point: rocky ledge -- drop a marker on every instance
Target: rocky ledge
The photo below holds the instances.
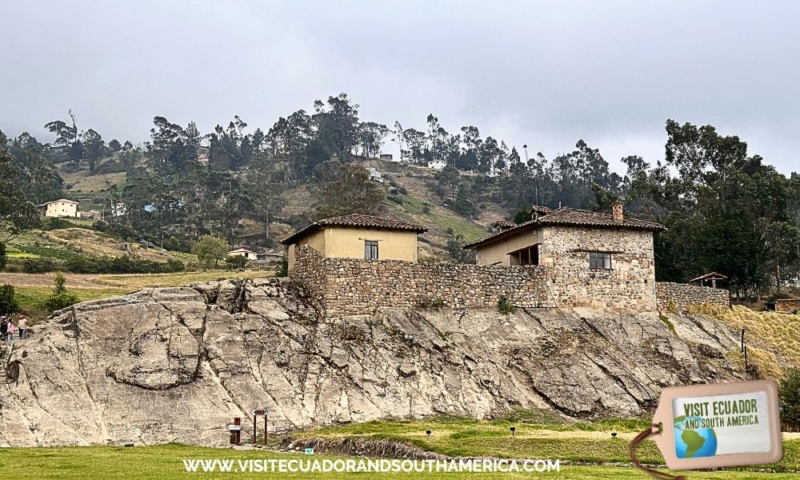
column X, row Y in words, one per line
column 177, row 364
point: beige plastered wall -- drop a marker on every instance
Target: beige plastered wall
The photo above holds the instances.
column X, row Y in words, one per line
column 349, row 243
column 498, row 253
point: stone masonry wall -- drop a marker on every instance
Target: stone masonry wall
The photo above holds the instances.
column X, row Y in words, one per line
column 355, row 287
column 681, row 295
column 628, row 285
column 787, row 304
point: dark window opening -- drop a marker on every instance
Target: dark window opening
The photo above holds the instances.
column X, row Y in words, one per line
column 599, row 260
column 526, row 256
column 370, row 250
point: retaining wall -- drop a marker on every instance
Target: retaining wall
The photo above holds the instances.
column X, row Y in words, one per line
column 679, row 296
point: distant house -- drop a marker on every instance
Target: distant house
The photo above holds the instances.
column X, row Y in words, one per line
column 375, row 175
column 437, row 165
column 91, row 215
column 243, row 252
column 358, row 236
column 119, row 209
column 269, row 257
column 386, row 157
column 59, row 208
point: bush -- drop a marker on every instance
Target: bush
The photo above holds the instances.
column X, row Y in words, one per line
column 3, row 257
column 395, row 199
column 235, row 262
column 402, row 190
column 789, row 394
column 8, row 304
column 283, row 268
column 60, row 298
column 426, row 209
column 123, row 264
column 116, row 229
column 38, row 265
column 504, row 305
column 55, row 223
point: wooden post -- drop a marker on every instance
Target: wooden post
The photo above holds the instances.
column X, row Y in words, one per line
column 266, row 433
column 255, row 435
column 745, row 358
column 743, row 340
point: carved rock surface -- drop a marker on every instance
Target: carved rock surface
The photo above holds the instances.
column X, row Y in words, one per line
column 177, row 364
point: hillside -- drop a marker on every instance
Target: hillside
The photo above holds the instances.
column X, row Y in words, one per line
column 420, row 204
column 112, row 370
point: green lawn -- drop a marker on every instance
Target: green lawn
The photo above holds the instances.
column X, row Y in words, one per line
column 166, row 462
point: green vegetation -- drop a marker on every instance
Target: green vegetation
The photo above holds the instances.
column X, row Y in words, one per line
column 60, row 298
column 668, row 323
column 8, row 300
column 580, row 442
column 504, row 305
column 790, row 399
column 210, row 250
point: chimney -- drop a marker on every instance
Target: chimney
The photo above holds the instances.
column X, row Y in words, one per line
column 616, row 212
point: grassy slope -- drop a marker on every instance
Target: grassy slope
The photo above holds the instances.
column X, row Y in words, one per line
column 773, row 339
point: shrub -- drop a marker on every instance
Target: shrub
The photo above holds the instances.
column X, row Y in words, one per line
column 123, row 264
column 789, row 394
column 38, row 265
column 283, row 268
column 235, row 262
column 395, row 199
column 8, row 304
column 60, row 298
column 504, row 305
column 57, row 223
column 402, row 190
column 3, row 257
column 426, row 209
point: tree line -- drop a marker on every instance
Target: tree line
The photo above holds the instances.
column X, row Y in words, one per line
column 725, row 210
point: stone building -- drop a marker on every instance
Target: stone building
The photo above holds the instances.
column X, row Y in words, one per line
column 357, row 236
column 591, row 259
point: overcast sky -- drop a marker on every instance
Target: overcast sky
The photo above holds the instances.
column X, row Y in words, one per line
column 543, row 74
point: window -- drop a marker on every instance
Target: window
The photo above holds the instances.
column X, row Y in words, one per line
column 600, row 260
column 370, row 250
column 526, row 256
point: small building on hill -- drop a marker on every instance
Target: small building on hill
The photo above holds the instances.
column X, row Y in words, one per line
column 602, row 258
column 358, row 236
column 243, row 252
column 59, row 208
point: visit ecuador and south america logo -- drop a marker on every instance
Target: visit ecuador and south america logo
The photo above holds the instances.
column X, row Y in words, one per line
column 697, row 430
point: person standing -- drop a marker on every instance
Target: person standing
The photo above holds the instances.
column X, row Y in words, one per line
column 22, row 325
column 10, row 331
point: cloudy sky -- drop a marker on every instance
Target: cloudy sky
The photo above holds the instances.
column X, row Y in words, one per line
column 543, row 74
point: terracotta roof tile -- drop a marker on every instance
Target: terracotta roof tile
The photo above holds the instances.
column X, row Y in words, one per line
column 354, row 220
column 571, row 217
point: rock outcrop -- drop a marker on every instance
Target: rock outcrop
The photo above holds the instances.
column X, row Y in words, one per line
column 177, row 364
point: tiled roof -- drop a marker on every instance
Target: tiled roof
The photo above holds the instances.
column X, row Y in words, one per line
column 570, row 217
column 354, row 220
column 504, row 224
column 708, row 276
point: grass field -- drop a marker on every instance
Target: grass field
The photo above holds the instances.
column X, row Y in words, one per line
column 33, row 289
column 166, row 462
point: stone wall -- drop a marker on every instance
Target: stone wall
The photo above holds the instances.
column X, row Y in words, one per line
column 628, row 285
column 787, row 304
column 355, row 287
column 678, row 296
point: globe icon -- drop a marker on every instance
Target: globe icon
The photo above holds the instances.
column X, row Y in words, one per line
column 694, row 442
